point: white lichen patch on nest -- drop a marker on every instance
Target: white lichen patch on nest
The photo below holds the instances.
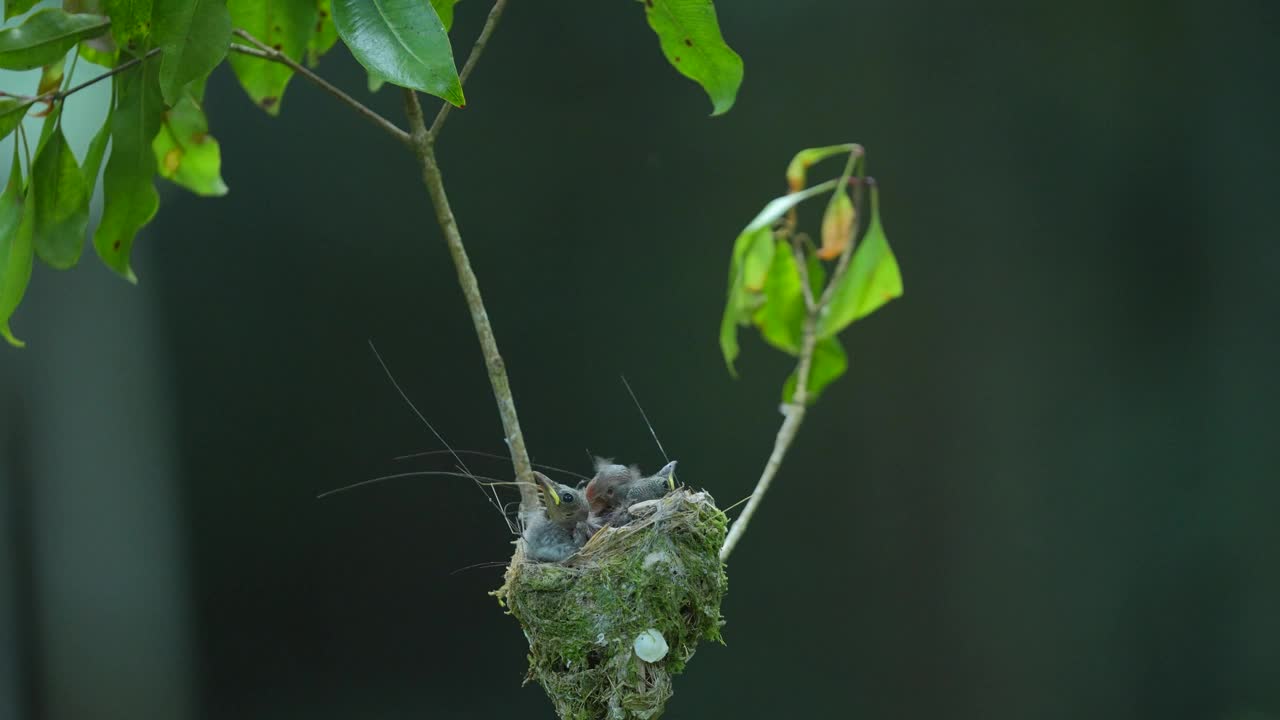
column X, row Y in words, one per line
column 659, row 577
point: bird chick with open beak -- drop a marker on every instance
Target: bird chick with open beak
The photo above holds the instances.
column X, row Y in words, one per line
column 616, row 488
column 560, row 527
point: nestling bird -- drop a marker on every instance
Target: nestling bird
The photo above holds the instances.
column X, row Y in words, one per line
column 556, row 531
column 616, row 488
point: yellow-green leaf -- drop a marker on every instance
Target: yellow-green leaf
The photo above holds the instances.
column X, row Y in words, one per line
column 324, row 35
column 186, row 153
column 871, row 280
column 691, row 41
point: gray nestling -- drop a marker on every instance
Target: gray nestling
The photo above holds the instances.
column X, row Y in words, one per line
column 556, row 531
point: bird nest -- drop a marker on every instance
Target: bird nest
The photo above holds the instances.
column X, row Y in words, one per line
column 611, row 625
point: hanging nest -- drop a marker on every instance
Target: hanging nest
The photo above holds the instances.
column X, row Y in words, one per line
column 608, row 627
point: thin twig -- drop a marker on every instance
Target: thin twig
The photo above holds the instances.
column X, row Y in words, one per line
column 55, row 95
column 481, row 41
column 434, row 181
column 794, row 415
column 794, row 411
column 266, row 52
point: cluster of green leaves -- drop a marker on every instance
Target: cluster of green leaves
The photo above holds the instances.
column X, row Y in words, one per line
column 766, row 279
column 159, row 54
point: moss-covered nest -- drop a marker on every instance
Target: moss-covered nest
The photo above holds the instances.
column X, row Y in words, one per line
column 585, row 617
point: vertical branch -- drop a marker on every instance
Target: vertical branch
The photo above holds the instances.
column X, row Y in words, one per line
column 434, row 181
column 422, row 140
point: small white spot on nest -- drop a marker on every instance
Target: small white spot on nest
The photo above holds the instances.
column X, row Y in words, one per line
column 600, row 639
column 651, row 646
column 655, row 557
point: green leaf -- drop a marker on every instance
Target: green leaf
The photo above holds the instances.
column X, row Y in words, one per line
column 781, row 317
column 46, row 36
column 752, row 255
column 93, row 157
column 57, row 196
column 129, row 194
column 444, row 8
column 376, row 82
column 324, row 34
column 187, row 154
column 871, row 280
column 829, row 363
column 402, row 41
column 12, row 111
column 690, row 38
column 285, row 25
column 800, row 164
column 100, row 50
column 16, row 254
column 130, row 22
column 14, row 8
column 193, row 36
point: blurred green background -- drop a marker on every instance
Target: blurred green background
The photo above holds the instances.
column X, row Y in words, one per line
column 1046, row 489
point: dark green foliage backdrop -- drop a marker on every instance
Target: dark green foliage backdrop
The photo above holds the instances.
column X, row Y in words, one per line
column 1046, row 489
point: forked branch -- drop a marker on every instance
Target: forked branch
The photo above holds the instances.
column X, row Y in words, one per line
column 421, row 140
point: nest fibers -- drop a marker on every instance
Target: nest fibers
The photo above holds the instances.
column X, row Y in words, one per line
column 650, row 589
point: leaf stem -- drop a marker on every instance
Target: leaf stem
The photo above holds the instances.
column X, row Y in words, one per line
column 794, row 411
column 482, row 41
column 432, row 178
column 266, row 52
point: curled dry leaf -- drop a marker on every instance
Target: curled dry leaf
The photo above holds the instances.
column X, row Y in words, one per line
column 837, row 226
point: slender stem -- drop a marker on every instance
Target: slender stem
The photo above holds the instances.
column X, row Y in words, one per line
column 794, row 415
column 55, row 95
column 266, row 52
column 431, row 177
column 481, row 42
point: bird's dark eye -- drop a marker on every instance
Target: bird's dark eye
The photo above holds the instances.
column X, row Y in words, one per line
column 609, row 492
column 566, row 496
